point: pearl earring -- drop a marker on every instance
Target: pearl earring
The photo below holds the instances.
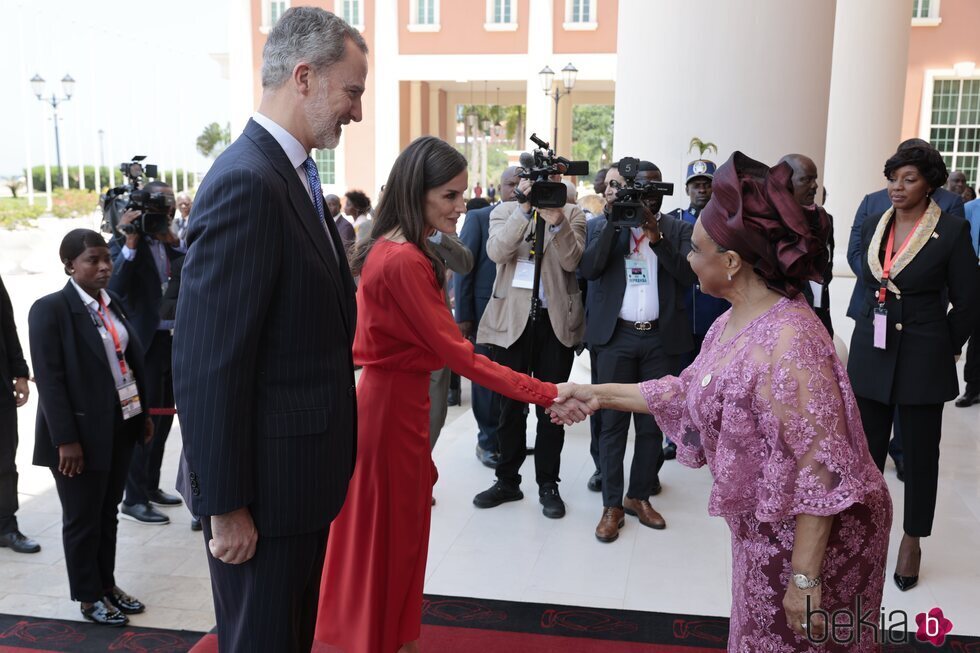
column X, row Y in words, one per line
column 729, row 276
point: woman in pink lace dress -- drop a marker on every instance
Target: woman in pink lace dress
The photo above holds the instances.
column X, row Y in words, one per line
column 768, row 407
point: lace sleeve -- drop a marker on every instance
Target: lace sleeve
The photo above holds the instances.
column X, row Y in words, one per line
column 667, row 401
column 817, row 459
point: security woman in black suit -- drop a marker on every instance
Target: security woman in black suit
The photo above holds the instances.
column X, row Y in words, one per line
column 905, row 344
column 88, row 365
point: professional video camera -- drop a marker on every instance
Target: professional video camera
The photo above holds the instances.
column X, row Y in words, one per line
column 154, row 207
column 540, row 165
column 627, row 208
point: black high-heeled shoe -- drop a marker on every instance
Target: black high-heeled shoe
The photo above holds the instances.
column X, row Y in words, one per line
column 906, row 583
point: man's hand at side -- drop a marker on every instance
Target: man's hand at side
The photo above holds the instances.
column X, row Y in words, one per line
column 233, row 537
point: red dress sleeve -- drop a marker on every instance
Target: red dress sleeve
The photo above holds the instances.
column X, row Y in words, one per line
column 409, row 276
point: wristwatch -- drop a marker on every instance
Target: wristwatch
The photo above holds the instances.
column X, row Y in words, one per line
column 804, row 583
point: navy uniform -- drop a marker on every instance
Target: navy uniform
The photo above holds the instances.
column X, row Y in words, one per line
column 702, row 309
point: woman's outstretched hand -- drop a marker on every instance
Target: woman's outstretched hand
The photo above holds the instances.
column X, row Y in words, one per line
column 573, row 404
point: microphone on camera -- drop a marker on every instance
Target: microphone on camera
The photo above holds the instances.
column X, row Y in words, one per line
column 527, row 160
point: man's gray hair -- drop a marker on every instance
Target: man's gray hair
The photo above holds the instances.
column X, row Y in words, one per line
column 305, row 34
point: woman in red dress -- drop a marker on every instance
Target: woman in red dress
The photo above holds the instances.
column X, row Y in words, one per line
column 371, row 593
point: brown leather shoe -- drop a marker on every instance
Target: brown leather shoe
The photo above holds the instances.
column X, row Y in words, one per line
column 642, row 509
column 610, row 523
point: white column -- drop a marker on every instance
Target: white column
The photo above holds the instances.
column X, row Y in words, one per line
column 867, row 95
column 540, row 53
column 48, row 188
column 755, row 78
column 386, row 96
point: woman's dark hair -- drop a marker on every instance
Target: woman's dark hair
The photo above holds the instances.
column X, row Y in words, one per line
column 76, row 242
column 477, row 203
column 426, row 163
column 925, row 158
column 360, row 201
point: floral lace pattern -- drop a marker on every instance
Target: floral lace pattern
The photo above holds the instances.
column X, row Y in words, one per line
column 772, row 414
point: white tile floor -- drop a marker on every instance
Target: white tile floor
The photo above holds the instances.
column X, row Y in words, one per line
column 510, row 552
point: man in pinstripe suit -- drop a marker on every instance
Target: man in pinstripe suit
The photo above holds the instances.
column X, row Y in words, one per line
column 263, row 375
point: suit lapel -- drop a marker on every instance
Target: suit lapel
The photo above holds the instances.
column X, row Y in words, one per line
column 303, row 207
column 83, row 321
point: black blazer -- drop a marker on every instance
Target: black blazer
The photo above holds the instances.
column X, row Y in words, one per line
column 12, row 363
column 602, row 262
column 77, row 396
column 917, row 367
column 474, row 289
column 875, row 204
column 828, row 275
column 138, row 283
column 263, row 373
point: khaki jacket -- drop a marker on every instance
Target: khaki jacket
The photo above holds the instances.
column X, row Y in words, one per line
column 507, row 313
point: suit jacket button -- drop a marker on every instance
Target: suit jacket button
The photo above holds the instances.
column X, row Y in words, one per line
column 197, row 491
column 898, row 327
column 193, row 476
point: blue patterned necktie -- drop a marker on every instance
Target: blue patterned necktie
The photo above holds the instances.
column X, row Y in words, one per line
column 316, row 190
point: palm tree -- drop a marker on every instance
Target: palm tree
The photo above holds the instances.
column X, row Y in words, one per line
column 702, row 147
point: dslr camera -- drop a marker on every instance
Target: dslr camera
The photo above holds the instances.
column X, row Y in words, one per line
column 540, row 164
column 155, row 207
column 627, row 208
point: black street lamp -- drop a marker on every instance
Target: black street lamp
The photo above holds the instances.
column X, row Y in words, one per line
column 547, row 75
column 68, row 86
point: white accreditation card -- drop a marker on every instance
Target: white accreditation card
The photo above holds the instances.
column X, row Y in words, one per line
column 129, row 398
column 637, row 272
column 524, row 275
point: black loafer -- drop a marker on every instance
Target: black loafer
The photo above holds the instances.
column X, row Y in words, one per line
column 19, row 543
column 595, row 481
column 160, row 498
column 500, row 492
column 670, row 451
column 143, row 513
column 552, row 505
column 105, row 615
column 196, row 524
column 967, row 400
column 124, row 602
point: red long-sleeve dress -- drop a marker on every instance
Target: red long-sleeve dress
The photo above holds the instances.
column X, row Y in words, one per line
column 371, row 592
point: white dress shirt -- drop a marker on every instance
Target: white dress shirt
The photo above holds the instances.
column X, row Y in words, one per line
column 107, row 343
column 641, row 303
column 297, row 156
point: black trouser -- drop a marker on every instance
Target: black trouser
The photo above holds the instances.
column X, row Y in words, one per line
column 8, row 466
column 920, row 435
column 486, row 410
column 595, row 419
column 552, row 362
column 971, row 373
column 631, row 356
column 270, row 602
column 144, row 470
column 89, row 504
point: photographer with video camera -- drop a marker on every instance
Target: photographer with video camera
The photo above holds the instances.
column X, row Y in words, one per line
column 535, row 317
column 638, row 326
column 145, row 255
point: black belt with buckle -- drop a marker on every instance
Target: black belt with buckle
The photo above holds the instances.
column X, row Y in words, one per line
column 640, row 326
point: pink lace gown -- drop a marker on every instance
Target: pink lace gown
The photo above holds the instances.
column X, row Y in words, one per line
column 772, row 414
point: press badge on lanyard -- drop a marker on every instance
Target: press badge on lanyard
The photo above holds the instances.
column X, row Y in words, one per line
column 637, row 268
column 524, row 275
column 880, row 312
column 129, row 398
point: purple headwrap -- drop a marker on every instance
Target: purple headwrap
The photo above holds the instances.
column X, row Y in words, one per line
column 753, row 212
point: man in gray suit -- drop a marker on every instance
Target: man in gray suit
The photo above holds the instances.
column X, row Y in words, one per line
column 263, row 374
column 558, row 330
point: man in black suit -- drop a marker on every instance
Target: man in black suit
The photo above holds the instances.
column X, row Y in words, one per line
column 263, row 371
column 638, row 327
column 344, row 228
column 143, row 265
column 13, row 395
column 473, row 292
column 805, row 187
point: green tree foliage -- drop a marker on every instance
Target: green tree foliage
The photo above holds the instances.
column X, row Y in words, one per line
column 592, row 124
column 702, row 147
column 214, row 139
column 37, row 173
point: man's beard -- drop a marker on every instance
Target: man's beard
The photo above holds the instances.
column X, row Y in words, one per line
column 324, row 125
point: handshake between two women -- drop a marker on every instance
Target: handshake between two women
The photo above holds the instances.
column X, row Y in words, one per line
column 575, row 402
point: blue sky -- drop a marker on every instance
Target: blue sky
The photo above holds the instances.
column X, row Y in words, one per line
column 144, row 74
